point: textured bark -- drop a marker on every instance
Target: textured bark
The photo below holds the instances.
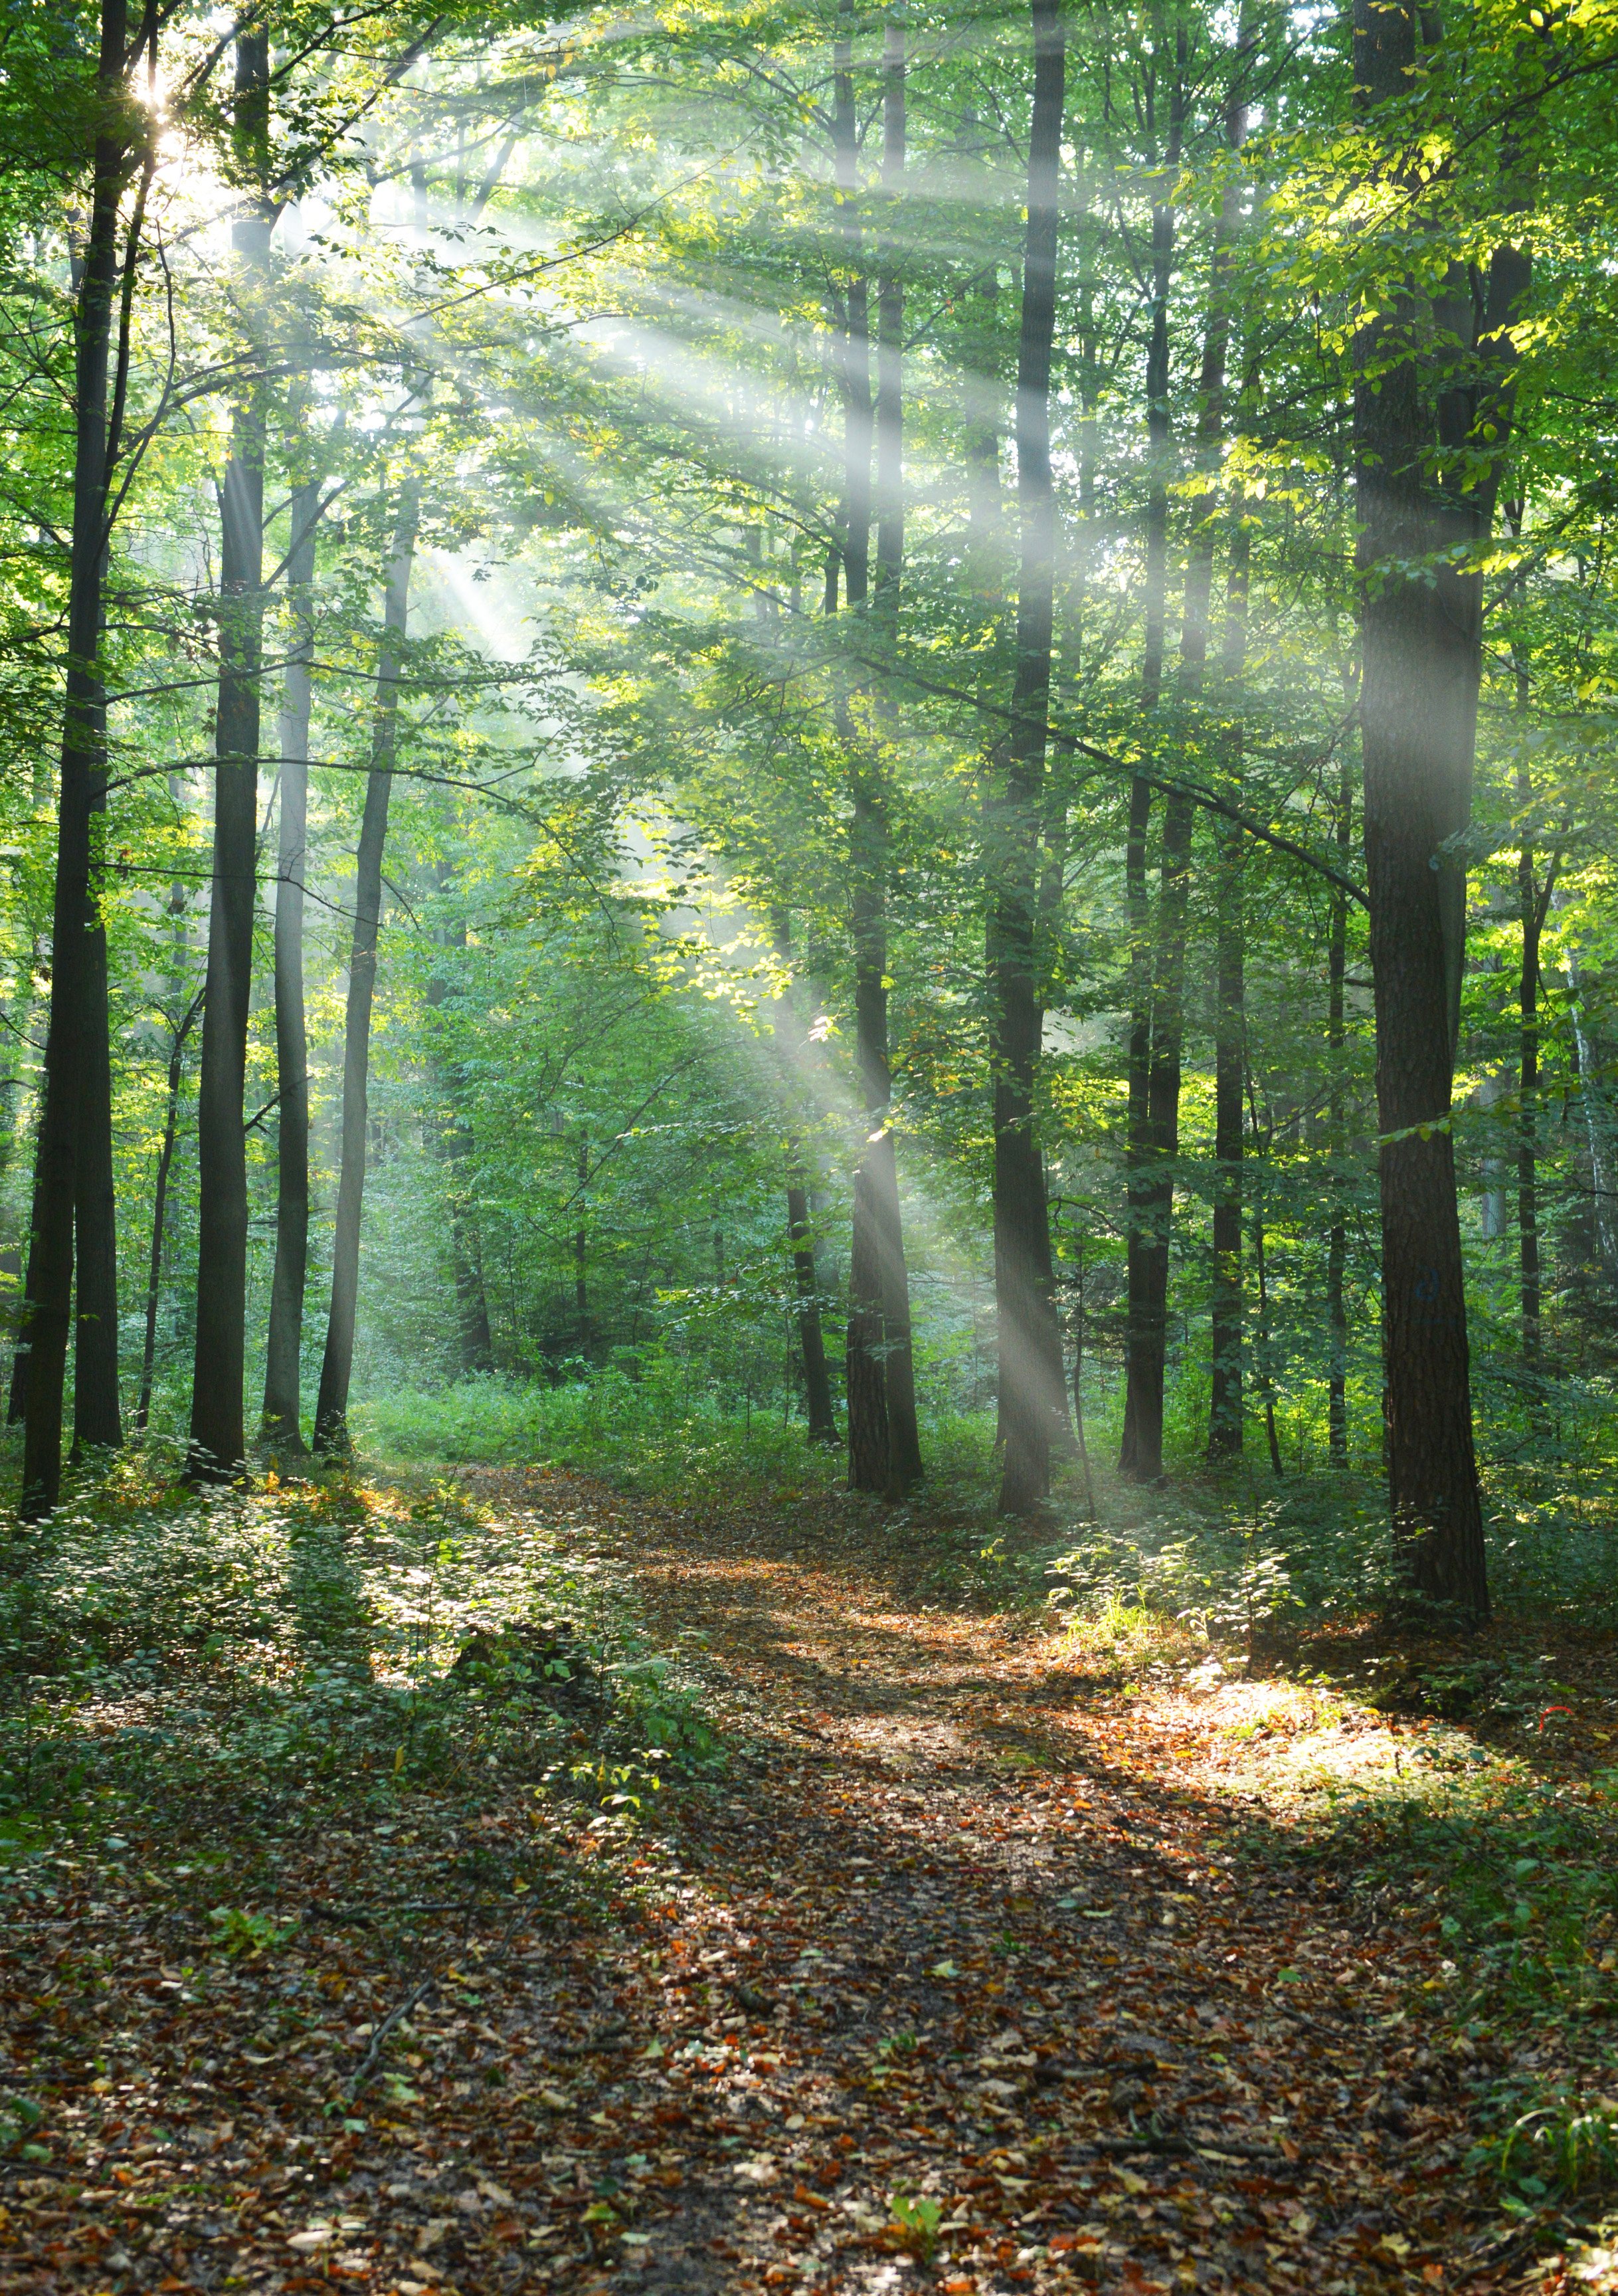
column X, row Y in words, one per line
column 336, row 1365
column 283, row 1359
column 1432, row 378
column 70, row 1054
column 219, row 1441
column 1140, row 1453
column 1032, row 1407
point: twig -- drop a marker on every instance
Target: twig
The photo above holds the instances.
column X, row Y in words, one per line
column 394, row 2017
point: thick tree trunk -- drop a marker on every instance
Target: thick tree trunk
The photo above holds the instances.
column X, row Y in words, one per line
column 1032, row 1407
column 331, row 1408
column 219, row 1441
column 1421, row 635
column 69, row 1055
column 1140, row 1453
column 282, row 1427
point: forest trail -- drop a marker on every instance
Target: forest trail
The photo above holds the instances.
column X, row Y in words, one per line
column 968, row 1971
column 958, row 1927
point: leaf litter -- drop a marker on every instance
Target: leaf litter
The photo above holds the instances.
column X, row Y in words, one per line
column 956, row 1974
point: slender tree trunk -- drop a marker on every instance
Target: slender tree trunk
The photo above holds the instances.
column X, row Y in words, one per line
column 1266, row 1382
column 884, row 1448
column 331, row 1408
column 218, row 1439
column 1141, row 1455
column 812, row 1339
column 800, row 1229
column 283, row 1359
column 1336, row 1250
column 159, row 1210
column 1528, row 1188
column 1032, row 1409
column 580, row 1250
column 1421, row 636
column 17, row 1397
column 70, row 1054
column 97, row 1415
column 865, row 1372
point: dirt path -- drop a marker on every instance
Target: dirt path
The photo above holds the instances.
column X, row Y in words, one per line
column 957, row 1928
column 966, row 1974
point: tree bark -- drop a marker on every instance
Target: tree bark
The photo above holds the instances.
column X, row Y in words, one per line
column 812, row 1339
column 218, row 1440
column 331, row 1408
column 1033, row 1406
column 580, row 1250
column 1421, row 638
column 70, row 1049
column 1140, row 1453
column 1336, row 1248
column 800, row 1229
column 281, row 1425
column 159, row 1209
column 97, row 1414
column 885, row 1451
column 1534, row 902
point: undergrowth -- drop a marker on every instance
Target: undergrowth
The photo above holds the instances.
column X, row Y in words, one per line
column 311, row 1648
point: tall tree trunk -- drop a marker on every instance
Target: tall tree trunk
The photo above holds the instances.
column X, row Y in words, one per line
column 17, row 1394
column 69, row 1053
column 331, row 1408
column 581, row 1250
column 884, row 1445
column 1226, row 1414
column 159, row 1210
column 1230, row 1054
column 812, row 1339
column 1336, row 1037
column 97, row 1414
column 800, row 1229
column 218, row 1440
column 1033, row 1406
column 474, row 1340
column 1421, row 635
column 1140, row 1453
column 283, row 1357
column 866, row 1380
column 1528, row 1086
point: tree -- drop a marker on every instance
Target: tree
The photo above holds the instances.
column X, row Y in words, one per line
column 1432, row 404
column 218, row 1439
column 1031, row 1403
column 337, row 1367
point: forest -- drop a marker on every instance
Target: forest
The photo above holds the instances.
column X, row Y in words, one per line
column 809, row 968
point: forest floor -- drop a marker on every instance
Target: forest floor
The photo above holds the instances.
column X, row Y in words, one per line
column 984, row 1962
